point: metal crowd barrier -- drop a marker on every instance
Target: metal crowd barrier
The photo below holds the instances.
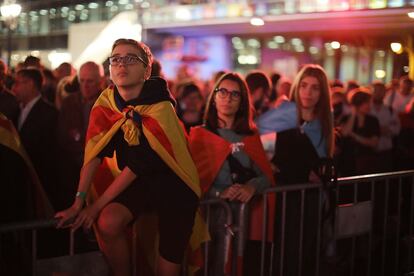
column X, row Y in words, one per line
column 371, row 233
column 34, row 226
column 89, row 263
column 372, row 224
column 228, row 228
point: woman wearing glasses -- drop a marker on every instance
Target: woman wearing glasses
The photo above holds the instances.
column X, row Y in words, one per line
column 135, row 122
column 230, row 158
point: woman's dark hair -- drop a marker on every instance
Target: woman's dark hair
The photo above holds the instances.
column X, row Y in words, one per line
column 189, row 89
column 243, row 122
column 359, row 97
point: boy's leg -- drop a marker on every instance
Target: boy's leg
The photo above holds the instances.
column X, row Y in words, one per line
column 112, row 238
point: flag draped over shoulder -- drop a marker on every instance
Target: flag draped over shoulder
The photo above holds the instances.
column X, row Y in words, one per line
column 209, row 152
column 164, row 133
column 10, row 139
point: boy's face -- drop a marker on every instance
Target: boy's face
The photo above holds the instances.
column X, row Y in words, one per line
column 130, row 74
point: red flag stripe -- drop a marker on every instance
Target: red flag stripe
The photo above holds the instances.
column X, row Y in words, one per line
column 154, row 127
column 101, row 120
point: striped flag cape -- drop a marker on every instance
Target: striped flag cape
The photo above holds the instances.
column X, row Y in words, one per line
column 209, row 162
column 42, row 208
column 166, row 137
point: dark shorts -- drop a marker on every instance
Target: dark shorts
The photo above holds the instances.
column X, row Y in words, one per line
column 174, row 202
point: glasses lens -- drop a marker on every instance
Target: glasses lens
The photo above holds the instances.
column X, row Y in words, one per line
column 223, row 93
column 128, row 60
column 114, row 60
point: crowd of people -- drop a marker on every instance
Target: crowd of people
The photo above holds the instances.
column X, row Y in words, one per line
column 178, row 140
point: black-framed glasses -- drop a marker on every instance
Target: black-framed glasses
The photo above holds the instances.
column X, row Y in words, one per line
column 126, row 60
column 224, row 93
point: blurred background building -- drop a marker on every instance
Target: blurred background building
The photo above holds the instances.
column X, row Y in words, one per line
column 350, row 38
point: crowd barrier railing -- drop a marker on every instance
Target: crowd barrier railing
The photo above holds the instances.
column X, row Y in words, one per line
column 370, row 233
column 33, row 227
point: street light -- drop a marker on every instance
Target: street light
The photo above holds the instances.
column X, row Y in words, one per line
column 10, row 11
column 408, row 47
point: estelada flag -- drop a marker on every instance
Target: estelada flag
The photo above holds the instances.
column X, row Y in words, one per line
column 42, row 208
column 165, row 135
column 209, row 152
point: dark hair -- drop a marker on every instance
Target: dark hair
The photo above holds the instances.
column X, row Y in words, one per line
column 34, row 75
column 218, row 75
column 3, row 70
column 337, row 83
column 258, row 79
column 141, row 47
column 243, row 122
column 32, row 61
column 359, row 97
column 48, row 74
column 351, row 85
column 274, row 78
column 156, row 68
column 189, row 89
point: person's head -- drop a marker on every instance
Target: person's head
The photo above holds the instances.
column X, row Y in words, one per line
column 156, row 69
column 351, row 85
column 378, row 92
column 32, row 62
column 310, row 90
column 259, row 85
column 337, row 83
column 230, row 98
column 406, row 84
column 63, row 70
column 191, row 98
column 27, row 85
column 338, row 95
column 130, row 62
column 283, row 87
column 90, row 80
column 3, row 73
column 48, row 77
column 361, row 98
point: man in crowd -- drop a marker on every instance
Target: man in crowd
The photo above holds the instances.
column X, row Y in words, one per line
column 37, row 128
column 73, row 123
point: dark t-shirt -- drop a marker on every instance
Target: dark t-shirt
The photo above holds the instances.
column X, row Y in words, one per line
column 294, row 157
column 354, row 157
column 370, row 129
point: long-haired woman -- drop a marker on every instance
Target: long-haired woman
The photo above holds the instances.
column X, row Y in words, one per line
column 304, row 136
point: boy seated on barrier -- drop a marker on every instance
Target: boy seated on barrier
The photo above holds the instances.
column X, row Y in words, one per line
column 135, row 121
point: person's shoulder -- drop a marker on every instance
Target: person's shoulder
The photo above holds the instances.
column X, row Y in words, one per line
column 46, row 107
